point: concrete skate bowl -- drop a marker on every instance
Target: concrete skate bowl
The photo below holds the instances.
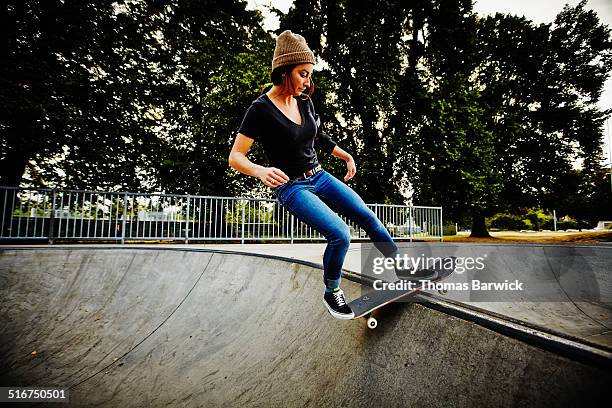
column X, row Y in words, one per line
column 567, row 288
column 129, row 327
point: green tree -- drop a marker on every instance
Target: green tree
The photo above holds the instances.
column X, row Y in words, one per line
column 477, row 115
column 131, row 95
column 356, row 91
column 454, row 146
column 222, row 56
column 540, row 86
column 45, row 78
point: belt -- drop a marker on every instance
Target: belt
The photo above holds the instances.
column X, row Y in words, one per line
column 309, row 173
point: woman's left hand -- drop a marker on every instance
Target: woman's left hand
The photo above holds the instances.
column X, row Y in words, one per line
column 351, row 168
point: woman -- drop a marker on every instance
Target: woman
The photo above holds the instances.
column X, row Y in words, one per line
column 283, row 120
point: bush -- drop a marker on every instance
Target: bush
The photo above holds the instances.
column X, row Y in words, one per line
column 449, row 229
column 538, row 219
column 533, row 219
column 567, row 223
column 505, row 221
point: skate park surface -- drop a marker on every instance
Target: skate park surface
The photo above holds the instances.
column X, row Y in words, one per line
column 203, row 326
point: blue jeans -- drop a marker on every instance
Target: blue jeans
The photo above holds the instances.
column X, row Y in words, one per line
column 317, row 201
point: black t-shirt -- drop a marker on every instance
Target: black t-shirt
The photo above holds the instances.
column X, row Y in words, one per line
column 287, row 145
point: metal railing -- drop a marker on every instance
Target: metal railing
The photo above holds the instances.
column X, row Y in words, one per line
column 78, row 215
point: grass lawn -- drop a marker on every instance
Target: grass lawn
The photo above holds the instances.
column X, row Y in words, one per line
column 515, row 237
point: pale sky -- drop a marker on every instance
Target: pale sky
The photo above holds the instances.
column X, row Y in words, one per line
column 539, row 11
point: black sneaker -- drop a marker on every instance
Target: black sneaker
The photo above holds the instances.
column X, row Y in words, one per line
column 335, row 303
column 416, row 275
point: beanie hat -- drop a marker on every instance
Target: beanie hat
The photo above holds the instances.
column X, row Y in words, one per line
column 291, row 49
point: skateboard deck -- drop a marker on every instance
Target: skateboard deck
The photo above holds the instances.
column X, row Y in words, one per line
column 375, row 299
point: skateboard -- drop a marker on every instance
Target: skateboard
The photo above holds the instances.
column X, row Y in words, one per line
column 375, row 299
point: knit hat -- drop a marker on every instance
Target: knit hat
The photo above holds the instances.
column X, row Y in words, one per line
column 291, row 49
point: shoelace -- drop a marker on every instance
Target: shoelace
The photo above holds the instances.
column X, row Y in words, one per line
column 338, row 296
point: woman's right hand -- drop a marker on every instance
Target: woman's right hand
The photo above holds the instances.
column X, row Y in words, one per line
column 272, row 177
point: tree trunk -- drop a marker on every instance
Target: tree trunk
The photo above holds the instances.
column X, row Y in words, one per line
column 479, row 229
column 13, row 165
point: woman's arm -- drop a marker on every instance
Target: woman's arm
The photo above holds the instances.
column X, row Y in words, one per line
column 350, row 163
column 270, row 176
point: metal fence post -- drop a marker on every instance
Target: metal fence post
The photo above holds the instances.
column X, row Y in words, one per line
column 52, row 219
column 441, row 227
column 187, row 220
column 292, row 228
column 410, row 223
column 242, row 226
column 123, row 222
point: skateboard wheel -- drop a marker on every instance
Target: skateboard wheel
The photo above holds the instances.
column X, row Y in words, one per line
column 442, row 291
column 372, row 323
